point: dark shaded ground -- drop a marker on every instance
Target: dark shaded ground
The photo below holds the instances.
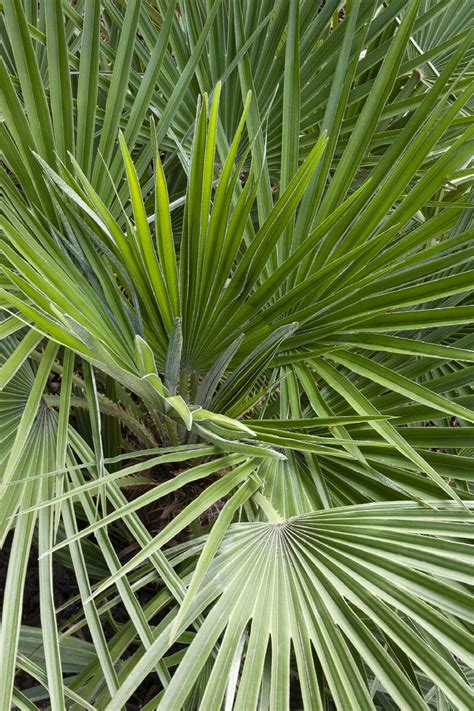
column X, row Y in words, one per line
column 65, row 588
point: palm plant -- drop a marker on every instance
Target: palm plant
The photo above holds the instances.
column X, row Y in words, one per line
column 236, row 354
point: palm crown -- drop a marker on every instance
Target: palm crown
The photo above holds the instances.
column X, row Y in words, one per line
column 236, row 353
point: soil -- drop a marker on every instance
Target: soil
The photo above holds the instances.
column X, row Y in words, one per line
column 65, row 588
